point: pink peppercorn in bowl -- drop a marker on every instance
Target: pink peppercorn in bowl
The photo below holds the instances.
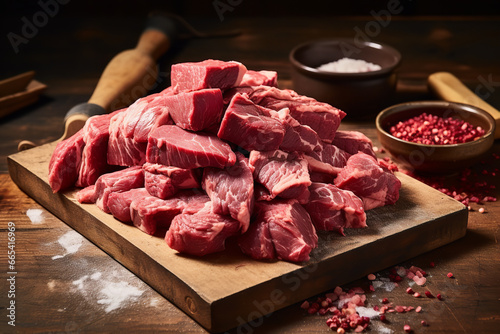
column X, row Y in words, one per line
column 359, row 91
column 418, row 142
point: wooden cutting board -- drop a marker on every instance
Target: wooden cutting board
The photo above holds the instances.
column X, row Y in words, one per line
column 224, row 290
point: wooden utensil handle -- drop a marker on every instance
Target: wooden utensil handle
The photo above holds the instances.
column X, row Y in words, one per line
column 449, row 88
column 131, row 73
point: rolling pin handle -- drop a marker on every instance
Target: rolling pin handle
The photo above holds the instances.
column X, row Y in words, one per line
column 448, row 87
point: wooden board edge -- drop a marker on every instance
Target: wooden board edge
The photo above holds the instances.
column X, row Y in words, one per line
column 259, row 302
column 120, row 249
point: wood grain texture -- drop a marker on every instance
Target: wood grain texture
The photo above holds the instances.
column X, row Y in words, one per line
column 212, row 289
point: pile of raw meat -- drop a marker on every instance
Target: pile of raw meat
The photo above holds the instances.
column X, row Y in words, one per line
column 223, row 153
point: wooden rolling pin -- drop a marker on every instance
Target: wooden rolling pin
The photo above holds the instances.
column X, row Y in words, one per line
column 449, row 88
column 128, row 76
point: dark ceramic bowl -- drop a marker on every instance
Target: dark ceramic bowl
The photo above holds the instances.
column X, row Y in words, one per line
column 435, row 159
column 358, row 94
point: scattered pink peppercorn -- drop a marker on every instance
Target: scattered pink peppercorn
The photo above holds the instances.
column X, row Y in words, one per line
column 450, row 275
column 424, row 323
column 385, row 301
column 438, row 296
column 428, row 294
column 407, row 328
column 371, row 277
column 481, row 210
column 418, row 309
column 382, row 317
column 416, row 295
column 400, row 309
column 432, row 264
column 410, row 291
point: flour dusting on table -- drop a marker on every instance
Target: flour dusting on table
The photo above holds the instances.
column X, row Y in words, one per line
column 107, row 289
column 116, row 293
column 71, row 241
column 35, row 215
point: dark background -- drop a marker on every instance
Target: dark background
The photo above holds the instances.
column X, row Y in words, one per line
column 205, row 8
column 85, row 19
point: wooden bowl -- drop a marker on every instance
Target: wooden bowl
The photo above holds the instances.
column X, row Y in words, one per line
column 435, row 159
column 360, row 95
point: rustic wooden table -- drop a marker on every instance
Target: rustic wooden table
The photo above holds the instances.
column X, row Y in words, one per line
column 64, row 283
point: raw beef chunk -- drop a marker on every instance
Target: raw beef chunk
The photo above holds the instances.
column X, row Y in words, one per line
column 321, row 177
column 119, row 203
column 122, row 180
column 247, row 125
column 353, row 142
column 155, row 114
column 94, row 156
column 257, row 241
column 331, row 155
column 123, row 150
column 129, row 130
column 261, row 193
column 172, row 146
column 201, row 233
column 318, row 167
column 65, row 162
column 283, row 174
column 260, row 78
column 375, row 185
column 196, row 110
column 326, row 162
column 151, row 214
column 319, row 116
column 207, row 74
column 282, row 229
column 231, row 190
column 86, row 195
column 333, row 209
column 165, row 181
column 298, row 137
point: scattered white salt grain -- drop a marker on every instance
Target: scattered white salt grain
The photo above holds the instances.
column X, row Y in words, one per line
column 383, row 284
column 401, row 271
column 35, row 215
column 343, row 301
column 96, row 276
column 71, row 241
column 349, row 65
column 154, row 302
column 117, row 293
column 79, row 282
column 367, row 312
column 381, row 329
column 51, row 285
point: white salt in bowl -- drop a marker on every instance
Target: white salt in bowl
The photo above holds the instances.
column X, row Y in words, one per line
column 359, row 94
